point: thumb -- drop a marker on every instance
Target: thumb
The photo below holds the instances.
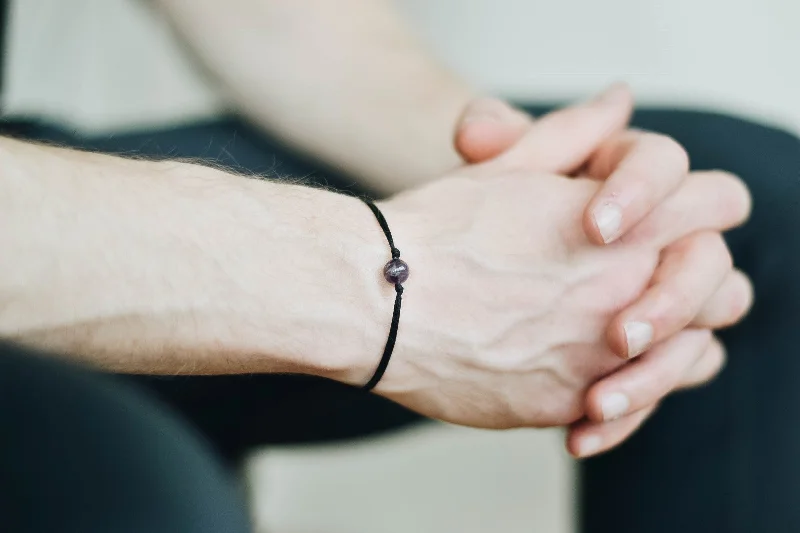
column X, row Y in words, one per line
column 487, row 128
column 562, row 141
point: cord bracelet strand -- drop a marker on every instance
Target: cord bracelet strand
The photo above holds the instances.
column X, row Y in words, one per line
column 395, row 272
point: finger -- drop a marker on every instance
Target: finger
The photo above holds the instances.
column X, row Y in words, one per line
column 728, row 305
column 648, row 379
column 690, row 272
column 642, row 169
column 707, row 367
column 562, row 141
column 711, row 200
column 587, row 438
column 487, row 128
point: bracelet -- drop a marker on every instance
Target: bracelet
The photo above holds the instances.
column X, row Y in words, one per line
column 395, row 272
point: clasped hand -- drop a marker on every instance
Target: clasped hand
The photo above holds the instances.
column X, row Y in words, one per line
column 570, row 274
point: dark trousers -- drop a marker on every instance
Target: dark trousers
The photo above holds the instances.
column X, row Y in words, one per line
column 723, row 458
column 83, row 453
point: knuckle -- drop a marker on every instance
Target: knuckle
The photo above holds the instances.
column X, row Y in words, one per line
column 727, row 256
column 705, row 337
column 721, row 251
column 743, row 296
column 720, row 356
column 712, row 246
column 741, row 200
column 714, row 362
column 680, row 306
column 729, row 178
column 671, row 149
column 735, row 194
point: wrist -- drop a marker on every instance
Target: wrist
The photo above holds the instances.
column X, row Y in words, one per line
column 325, row 307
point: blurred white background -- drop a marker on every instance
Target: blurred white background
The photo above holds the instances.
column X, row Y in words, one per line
column 103, row 64
column 110, row 64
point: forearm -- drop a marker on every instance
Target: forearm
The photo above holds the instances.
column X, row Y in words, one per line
column 345, row 80
column 166, row 267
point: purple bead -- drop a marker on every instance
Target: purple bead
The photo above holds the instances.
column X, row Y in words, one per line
column 396, row 271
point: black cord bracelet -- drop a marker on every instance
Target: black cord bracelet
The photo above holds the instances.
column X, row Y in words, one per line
column 395, row 272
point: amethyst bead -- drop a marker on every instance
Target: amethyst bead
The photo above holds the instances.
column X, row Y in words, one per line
column 396, row 271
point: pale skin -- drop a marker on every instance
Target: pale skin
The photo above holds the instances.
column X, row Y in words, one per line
column 160, row 267
column 617, row 405
column 323, row 75
column 177, row 268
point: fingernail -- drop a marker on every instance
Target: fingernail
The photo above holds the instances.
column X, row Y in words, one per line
column 613, row 94
column 614, row 406
column 486, row 110
column 482, row 116
column 589, row 445
column 608, row 218
column 638, row 335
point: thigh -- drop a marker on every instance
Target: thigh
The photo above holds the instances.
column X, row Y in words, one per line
column 81, row 453
column 724, row 458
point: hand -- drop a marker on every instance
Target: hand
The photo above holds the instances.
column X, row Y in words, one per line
column 697, row 267
column 591, row 137
column 505, row 312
